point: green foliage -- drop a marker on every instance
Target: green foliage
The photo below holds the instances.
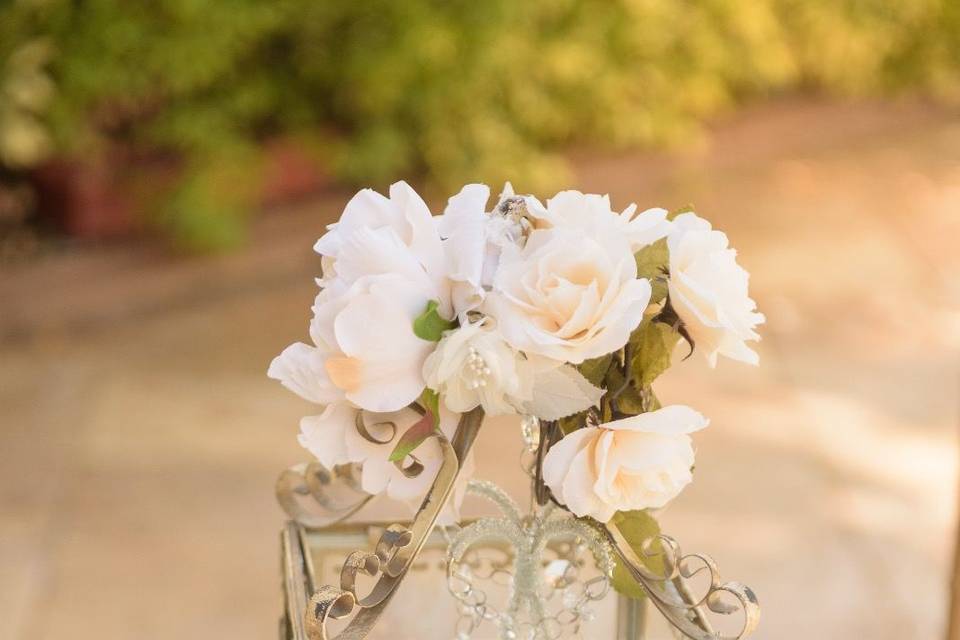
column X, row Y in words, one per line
column 653, row 347
column 636, row 526
column 429, row 325
column 570, row 424
column 626, row 396
column 596, row 369
column 652, row 264
column 421, row 430
column 451, row 91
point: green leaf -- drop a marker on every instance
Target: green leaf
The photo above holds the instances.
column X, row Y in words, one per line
column 630, row 401
column 430, row 325
column 636, row 526
column 572, row 423
column 596, row 370
column 653, row 402
column 430, row 400
column 687, row 208
column 421, row 430
column 653, row 347
column 652, row 263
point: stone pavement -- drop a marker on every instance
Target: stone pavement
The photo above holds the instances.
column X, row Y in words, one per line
column 139, row 437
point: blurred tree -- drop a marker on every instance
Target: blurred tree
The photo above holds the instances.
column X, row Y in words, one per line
column 450, row 90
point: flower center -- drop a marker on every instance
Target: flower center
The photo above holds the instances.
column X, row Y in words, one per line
column 345, row 372
column 477, row 370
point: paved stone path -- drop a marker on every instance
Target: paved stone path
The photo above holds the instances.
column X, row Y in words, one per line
column 139, row 438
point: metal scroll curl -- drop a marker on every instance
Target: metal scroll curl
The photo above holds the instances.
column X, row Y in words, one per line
column 315, row 496
column 671, row 591
column 394, row 553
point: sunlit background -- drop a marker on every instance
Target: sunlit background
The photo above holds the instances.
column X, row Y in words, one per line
column 166, row 166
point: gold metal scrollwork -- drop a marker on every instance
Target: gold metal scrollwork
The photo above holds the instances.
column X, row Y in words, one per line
column 394, row 553
column 315, row 497
column 671, row 592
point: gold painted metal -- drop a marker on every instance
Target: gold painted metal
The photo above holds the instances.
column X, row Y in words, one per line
column 394, row 552
column 335, row 495
column 671, row 591
column 317, row 497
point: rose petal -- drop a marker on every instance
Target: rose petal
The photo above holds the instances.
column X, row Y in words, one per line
column 670, row 420
column 300, row 368
column 325, row 435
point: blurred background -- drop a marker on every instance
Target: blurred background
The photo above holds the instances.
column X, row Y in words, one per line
column 166, row 166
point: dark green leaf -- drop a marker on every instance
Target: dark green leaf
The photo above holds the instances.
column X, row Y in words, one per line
column 636, row 526
column 596, row 370
column 653, row 347
column 627, row 399
column 572, row 423
column 430, row 325
column 652, row 263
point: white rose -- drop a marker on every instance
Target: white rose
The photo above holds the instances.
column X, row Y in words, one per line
column 472, row 366
column 708, row 290
column 568, row 296
column 641, row 462
column 591, row 214
column 378, row 235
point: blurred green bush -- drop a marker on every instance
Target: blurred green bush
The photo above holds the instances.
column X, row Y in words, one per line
column 451, row 90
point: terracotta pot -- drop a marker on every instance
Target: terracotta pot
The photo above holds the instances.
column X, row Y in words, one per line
column 83, row 198
column 110, row 194
column 290, row 172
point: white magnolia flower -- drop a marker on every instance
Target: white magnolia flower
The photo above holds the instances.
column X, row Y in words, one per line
column 640, row 462
column 708, row 290
column 473, row 366
column 473, row 242
column 365, row 350
column 567, row 295
column 591, row 214
column 378, row 235
column 333, row 438
column 301, row 369
column 371, row 356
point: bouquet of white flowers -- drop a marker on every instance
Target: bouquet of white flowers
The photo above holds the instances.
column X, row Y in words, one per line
column 564, row 312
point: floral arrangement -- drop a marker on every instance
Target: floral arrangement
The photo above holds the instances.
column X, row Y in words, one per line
column 565, row 311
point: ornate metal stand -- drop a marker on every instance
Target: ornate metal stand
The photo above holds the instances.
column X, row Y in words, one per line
column 309, row 607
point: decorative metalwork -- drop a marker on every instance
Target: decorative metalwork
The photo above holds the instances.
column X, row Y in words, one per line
column 672, row 593
column 315, row 497
column 527, row 615
column 394, row 553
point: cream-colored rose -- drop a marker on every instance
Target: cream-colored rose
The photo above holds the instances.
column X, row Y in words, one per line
column 567, row 295
column 640, row 462
column 472, row 366
column 709, row 291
